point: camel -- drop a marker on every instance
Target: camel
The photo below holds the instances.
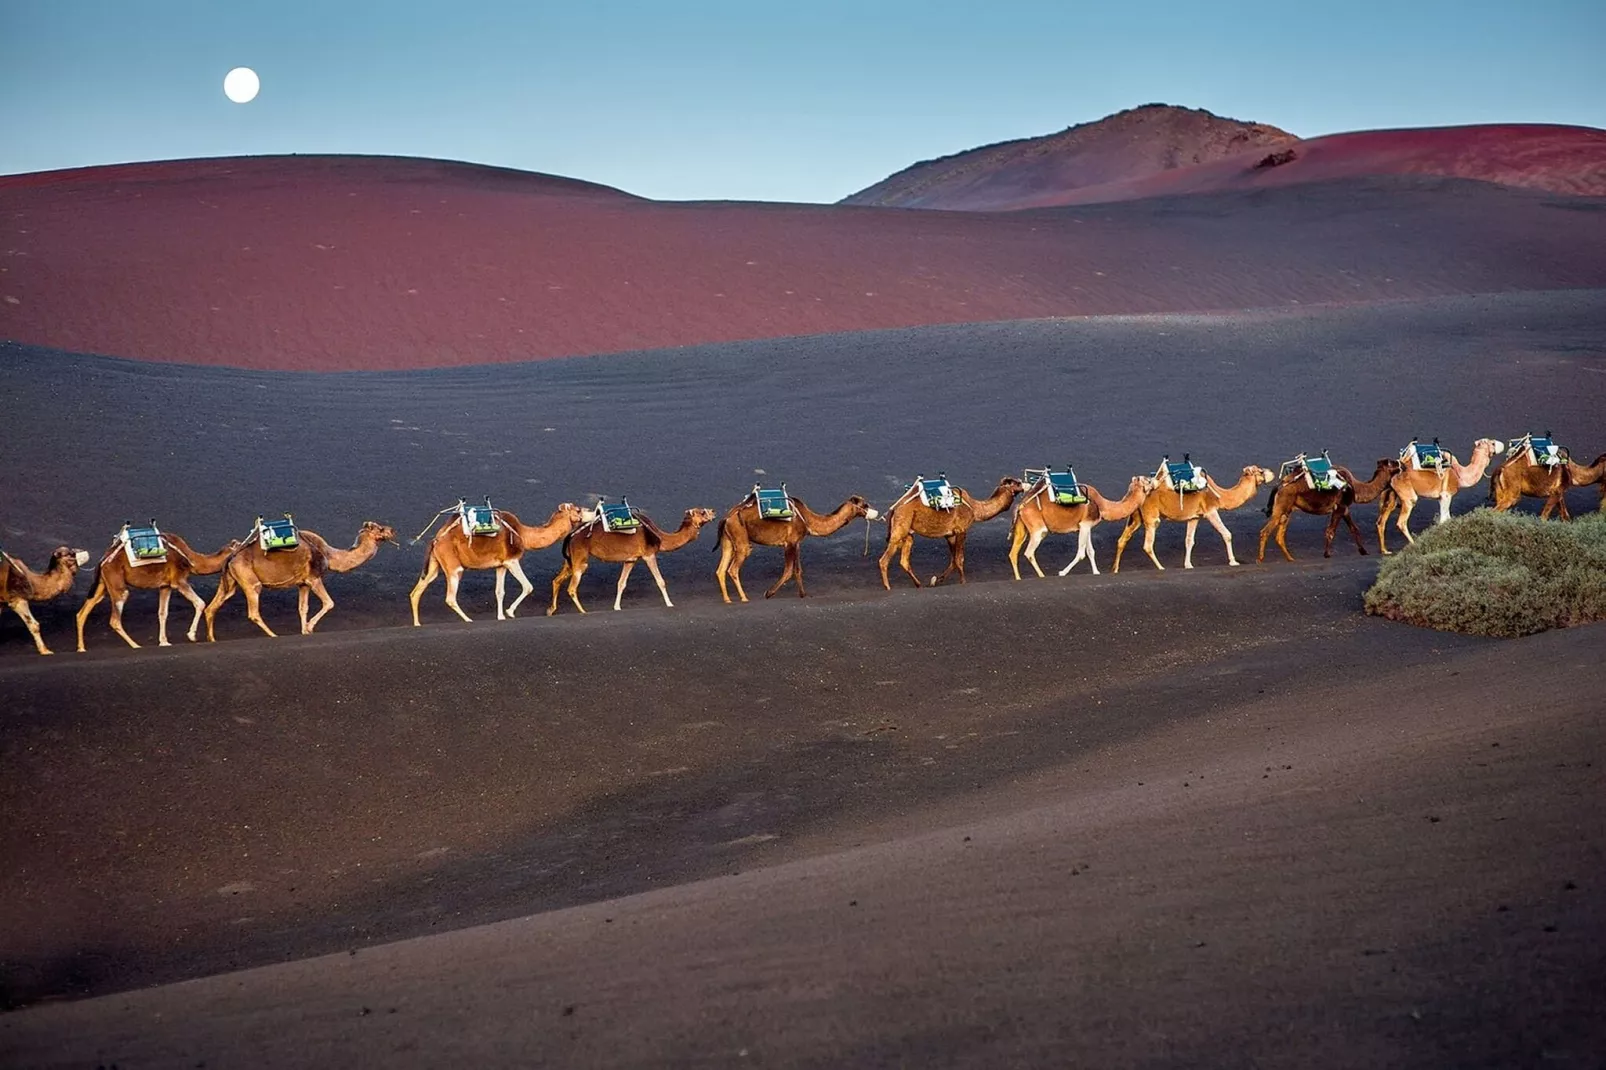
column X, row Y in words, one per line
column 1409, row 484
column 911, row 516
column 1293, row 493
column 744, row 527
column 251, row 569
column 644, row 543
column 115, row 578
column 1189, row 507
column 1519, row 477
column 452, row 551
column 20, row 585
column 1038, row 516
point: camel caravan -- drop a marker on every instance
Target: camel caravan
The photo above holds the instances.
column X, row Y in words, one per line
column 281, row 555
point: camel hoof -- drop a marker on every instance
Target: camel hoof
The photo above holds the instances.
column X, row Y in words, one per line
column 46, row 653
column 1233, row 564
column 164, row 642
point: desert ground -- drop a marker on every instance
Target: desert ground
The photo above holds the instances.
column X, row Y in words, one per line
column 1179, row 818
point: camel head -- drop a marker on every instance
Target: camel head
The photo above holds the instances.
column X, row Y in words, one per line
column 576, row 515
column 1261, row 476
column 699, row 517
column 1146, row 484
column 1013, row 485
column 1493, row 446
column 68, row 558
column 379, row 532
column 863, row 508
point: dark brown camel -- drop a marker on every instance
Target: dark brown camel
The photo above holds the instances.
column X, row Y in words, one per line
column 1294, row 494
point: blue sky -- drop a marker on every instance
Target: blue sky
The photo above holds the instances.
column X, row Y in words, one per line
column 797, row 100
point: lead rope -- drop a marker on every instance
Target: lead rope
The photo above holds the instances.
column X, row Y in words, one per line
column 431, row 522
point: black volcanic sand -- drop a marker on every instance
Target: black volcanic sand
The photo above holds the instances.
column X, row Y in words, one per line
column 1214, row 817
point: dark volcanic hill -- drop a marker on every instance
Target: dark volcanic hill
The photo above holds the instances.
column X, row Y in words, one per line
column 1161, row 151
column 1123, row 147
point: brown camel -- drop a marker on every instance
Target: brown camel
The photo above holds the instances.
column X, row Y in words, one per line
column 452, row 551
column 116, row 578
column 911, row 516
column 1522, row 476
column 644, row 543
column 1293, row 493
column 1038, row 515
column 251, row 569
column 744, row 527
column 1189, row 507
column 1410, row 483
column 20, row 585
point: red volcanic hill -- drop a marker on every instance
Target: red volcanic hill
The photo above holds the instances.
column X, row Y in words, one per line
column 1159, row 150
column 1123, row 147
column 346, row 263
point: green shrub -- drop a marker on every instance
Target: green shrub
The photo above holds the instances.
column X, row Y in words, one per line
column 1497, row 574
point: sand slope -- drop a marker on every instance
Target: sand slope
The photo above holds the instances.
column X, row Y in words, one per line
column 333, row 264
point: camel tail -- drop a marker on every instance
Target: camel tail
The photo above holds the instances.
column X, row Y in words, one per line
column 1271, row 497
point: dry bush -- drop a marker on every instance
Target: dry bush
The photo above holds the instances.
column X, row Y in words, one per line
column 1497, row 574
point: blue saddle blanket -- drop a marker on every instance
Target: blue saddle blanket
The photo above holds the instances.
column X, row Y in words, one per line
column 1543, row 451
column 1185, row 476
column 937, row 493
column 1063, row 489
column 618, row 516
column 144, row 545
column 1318, row 472
column 773, row 503
column 278, row 534
column 1422, row 455
column 480, row 520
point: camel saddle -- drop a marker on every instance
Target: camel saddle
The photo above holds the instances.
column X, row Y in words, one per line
column 479, row 519
column 773, row 503
column 143, row 545
column 617, row 516
column 1424, row 456
column 936, row 493
column 1541, row 452
column 1318, row 472
column 1181, row 476
column 1063, row 489
column 277, row 534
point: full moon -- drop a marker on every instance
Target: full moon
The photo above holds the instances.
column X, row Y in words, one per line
column 241, row 84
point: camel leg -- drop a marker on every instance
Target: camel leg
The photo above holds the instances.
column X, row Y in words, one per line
column 303, row 593
column 1017, row 537
column 1385, row 507
column 894, row 548
column 1333, row 520
column 89, row 604
column 624, row 578
column 118, row 602
column 501, row 592
column 1084, row 544
column 904, row 553
column 163, row 597
column 797, row 552
column 188, row 592
column 253, row 607
column 431, row 570
column 225, row 591
column 1354, row 531
column 723, row 568
column 557, row 585
column 575, row 572
column 19, row 606
column 316, row 583
column 1214, row 516
column 953, row 560
column 1032, row 544
column 1400, row 521
column 663, row 588
column 788, row 571
column 453, row 579
column 959, row 555
column 1444, row 506
column 517, row 569
column 738, row 559
column 1281, row 534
